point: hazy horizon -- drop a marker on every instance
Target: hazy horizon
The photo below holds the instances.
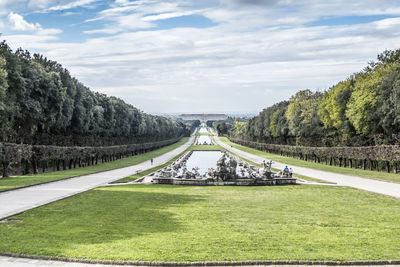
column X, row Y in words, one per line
column 181, row 56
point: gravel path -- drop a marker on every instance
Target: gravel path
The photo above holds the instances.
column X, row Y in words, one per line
column 380, row 187
column 20, row 200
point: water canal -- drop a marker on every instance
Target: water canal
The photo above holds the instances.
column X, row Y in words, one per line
column 204, row 160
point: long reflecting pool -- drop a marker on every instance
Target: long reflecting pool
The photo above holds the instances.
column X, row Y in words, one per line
column 203, row 160
column 204, row 140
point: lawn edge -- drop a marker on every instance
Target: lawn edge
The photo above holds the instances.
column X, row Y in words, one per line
column 201, row 263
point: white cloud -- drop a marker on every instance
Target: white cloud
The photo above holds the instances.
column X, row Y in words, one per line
column 72, row 4
column 48, row 32
column 123, row 23
column 255, row 56
column 167, row 15
column 126, row 16
column 39, row 4
column 18, row 23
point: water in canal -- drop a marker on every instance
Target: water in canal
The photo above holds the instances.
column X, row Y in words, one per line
column 204, row 160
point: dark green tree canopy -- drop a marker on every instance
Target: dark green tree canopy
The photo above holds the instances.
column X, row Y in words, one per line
column 362, row 110
column 40, row 103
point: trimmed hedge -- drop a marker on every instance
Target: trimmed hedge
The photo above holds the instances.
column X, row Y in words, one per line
column 372, row 157
column 26, row 157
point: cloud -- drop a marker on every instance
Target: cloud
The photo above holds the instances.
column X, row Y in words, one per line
column 39, row 4
column 254, row 56
column 167, row 15
column 135, row 15
column 18, row 23
column 70, row 5
column 123, row 23
column 251, row 2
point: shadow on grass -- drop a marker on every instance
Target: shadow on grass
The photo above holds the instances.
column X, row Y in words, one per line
column 95, row 217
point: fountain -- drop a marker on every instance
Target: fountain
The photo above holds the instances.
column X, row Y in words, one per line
column 228, row 170
column 204, row 140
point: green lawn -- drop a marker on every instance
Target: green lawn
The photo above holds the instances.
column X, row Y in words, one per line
column 390, row 177
column 192, row 223
column 20, row 181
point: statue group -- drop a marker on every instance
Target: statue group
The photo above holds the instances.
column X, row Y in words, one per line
column 230, row 168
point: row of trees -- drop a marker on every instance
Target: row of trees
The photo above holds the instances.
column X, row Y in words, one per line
column 25, row 159
column 40, row 103
column 379, row 158
column 362, row 110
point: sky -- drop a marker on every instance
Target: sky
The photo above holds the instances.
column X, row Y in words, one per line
column 189, row 56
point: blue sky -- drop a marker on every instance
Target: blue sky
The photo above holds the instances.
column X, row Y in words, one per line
column 204, row 56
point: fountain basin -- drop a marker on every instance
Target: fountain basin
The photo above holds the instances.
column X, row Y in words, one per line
column 217, row 168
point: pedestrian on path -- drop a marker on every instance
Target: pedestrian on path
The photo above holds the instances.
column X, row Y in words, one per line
column 151, row 161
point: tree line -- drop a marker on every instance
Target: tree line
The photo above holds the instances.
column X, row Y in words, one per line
column 25, row 159
column 362, row 110
column 41, row 104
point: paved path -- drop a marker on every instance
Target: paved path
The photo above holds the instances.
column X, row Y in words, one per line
column 380, row 187
column 17, row 201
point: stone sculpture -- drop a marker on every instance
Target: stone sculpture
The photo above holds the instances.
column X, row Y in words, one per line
column 229, row 170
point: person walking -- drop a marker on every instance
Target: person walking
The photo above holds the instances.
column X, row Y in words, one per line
column 151, row 161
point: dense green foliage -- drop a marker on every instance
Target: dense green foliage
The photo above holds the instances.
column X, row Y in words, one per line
column 362, row 110
column 40, row 103
column 214, row 223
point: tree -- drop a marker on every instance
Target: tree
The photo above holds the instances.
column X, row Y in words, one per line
column 389, row 104
column 3, row 84
column 240, row 128
column 302, row 114
column 362, row 106
column 3, row 91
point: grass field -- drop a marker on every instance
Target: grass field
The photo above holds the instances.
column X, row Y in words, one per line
column 191, row 223
column 20, row 181
column 390, row 177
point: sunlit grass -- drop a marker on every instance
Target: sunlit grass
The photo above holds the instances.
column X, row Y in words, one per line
column 192, row 223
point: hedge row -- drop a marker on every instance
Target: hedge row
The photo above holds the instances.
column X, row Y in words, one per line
column 372, row 157
column 34, row 157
